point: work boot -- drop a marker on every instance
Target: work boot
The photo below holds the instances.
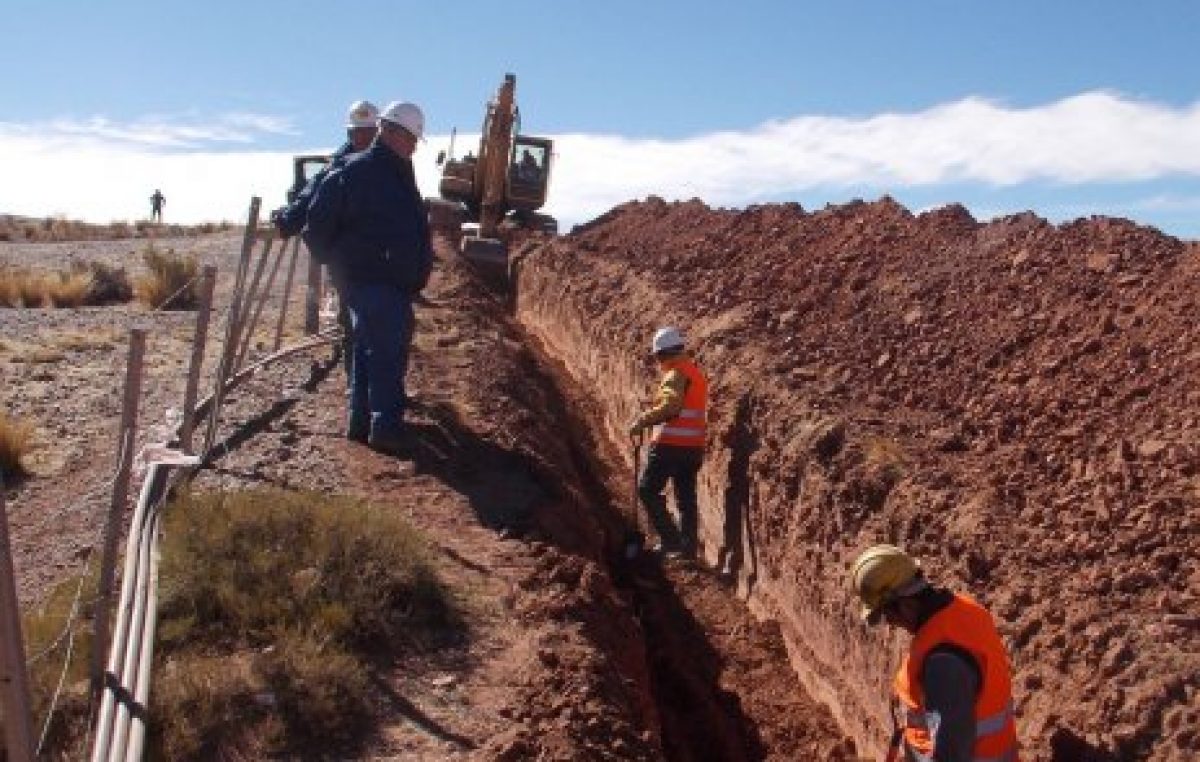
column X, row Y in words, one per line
column 358, row 429
column 389, row 443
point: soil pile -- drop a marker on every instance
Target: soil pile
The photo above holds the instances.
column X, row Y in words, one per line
column 1015, row 402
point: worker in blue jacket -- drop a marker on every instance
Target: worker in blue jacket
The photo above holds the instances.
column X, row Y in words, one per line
column 370, row 218
column 361, row 125
column 362, row 120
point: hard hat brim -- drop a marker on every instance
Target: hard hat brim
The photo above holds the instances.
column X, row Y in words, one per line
column 403, row 127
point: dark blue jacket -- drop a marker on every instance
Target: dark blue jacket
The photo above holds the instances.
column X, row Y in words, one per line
column 291, row 219
column 371, row 219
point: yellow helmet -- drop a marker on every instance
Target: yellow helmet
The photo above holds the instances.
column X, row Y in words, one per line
column 878, row 575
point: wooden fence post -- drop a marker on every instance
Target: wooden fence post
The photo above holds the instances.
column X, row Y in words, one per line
column 312, row 297
column 251, row 323
column 199, row 339
column 287, row 294
column 18, row 718
column 112, row 526
column 224, row 369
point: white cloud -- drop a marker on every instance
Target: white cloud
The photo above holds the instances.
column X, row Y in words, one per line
column 98, row 169
column 150, row 132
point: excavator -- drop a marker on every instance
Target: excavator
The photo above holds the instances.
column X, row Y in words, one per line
column 487, row 195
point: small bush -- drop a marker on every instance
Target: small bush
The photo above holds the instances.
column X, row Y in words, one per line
column 9, row 295
column 170, row 283
column 16, row 439
column 204, row 706
column 31, row 289
column 271, row 604
column 66, row 289
column 319, row 689
column 246, row 564
column 107, row 284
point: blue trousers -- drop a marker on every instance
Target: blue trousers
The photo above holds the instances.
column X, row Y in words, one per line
column 381, row 319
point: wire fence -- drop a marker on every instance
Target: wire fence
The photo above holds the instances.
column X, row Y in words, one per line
column 234, row 368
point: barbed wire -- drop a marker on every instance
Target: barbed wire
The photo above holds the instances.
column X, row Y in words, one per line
column 68, row 631
column 163, row 305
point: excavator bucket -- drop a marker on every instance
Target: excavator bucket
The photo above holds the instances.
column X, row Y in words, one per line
column 489, row 256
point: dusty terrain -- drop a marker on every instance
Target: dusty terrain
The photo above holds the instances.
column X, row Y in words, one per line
column 566, row 660
column 1014, row 401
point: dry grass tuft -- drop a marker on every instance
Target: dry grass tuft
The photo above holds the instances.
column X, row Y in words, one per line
column 48, row 630
column 57, row 229
column 16, row 440
column 66, row 289
column 9, row 296
column 107, row 284
column 272, row 603
column 31, row 289
column 92, row 283
column 171, row 281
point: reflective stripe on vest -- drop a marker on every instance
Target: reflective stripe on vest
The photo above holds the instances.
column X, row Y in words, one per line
column 688, row 428
column 968, row 626
column 987, row 726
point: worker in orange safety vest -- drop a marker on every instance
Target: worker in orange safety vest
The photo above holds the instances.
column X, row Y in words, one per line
column 954, row 687
column 678, row 418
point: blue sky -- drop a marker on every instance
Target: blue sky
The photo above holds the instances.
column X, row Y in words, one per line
column 1066, row 108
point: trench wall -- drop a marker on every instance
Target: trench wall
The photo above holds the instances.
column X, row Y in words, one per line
column 761, row 500
column 1013, row 402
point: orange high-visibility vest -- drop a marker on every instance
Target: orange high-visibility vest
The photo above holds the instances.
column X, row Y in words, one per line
column 688, row 428
column 967, row 625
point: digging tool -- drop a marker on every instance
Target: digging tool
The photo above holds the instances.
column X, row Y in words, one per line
column 635, row 541
column 893, row 752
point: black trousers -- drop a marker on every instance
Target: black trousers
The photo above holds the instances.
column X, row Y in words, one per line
column 679, row 466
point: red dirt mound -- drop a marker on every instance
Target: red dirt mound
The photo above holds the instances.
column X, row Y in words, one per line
column 1015, row 402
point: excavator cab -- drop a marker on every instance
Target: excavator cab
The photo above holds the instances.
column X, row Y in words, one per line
column 304, row 168
column 529, row 173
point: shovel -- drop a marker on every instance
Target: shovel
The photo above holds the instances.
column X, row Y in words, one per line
column 634, row 541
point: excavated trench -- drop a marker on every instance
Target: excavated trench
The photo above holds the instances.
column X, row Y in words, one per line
column 1011, row 401
column 700, row 716
column 720, row 683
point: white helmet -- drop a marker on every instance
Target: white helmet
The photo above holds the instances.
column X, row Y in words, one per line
column 361, row 114
column 407, row 115
column 666, row 340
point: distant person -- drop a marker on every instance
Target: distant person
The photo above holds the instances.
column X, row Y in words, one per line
column 954, row 686
column 528, row 169
column 678, row 415
column 370, row 218
column 156, row 205
column 361, row 125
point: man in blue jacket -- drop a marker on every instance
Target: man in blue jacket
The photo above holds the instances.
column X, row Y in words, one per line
column 371, row 218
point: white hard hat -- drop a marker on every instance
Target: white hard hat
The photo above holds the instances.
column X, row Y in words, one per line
column 666, row 340
column 407, row 115
column 361, row 114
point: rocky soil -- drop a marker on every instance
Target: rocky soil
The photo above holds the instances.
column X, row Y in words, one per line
column 1015, row 402
column 569, row 656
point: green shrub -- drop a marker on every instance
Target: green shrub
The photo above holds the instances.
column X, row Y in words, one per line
column 271, row 605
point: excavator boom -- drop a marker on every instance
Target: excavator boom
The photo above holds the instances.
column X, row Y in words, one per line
column 500, row 187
